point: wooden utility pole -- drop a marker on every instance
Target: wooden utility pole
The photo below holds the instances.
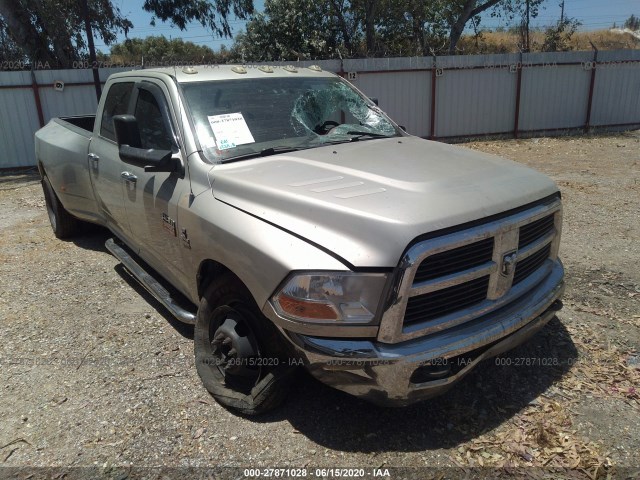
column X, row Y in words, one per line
column 526, row 39
column 92, row 48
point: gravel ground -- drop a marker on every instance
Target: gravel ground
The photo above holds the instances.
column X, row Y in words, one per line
column 95, row 373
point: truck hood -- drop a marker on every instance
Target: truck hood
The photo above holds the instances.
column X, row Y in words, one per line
column 366, row 201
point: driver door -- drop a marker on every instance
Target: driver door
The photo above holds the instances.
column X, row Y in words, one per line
column 104, row 162
column 151, row 198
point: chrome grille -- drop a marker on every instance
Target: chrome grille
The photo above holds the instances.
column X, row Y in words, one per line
column 456, row 277
column 526, row 267
column 442, row 302
column 535, row 230
column 455, row 260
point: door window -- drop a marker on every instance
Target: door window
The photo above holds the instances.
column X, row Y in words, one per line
column 153, row 131
column 116, row 103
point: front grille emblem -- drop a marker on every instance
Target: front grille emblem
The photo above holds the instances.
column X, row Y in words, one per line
column 509, row 263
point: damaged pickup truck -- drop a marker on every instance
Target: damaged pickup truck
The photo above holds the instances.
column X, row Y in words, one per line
column 281, row 212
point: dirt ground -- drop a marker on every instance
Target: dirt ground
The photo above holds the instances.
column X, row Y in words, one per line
column 94, row 373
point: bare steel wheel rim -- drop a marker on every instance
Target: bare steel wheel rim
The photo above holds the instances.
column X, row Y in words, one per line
column 50, row 212
column 234, row 349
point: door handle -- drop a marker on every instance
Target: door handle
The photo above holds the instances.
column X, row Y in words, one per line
column 129, row 177
column 94, row 158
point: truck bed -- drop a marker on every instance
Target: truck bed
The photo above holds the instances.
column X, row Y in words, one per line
column 84, row 122
column 62, row 147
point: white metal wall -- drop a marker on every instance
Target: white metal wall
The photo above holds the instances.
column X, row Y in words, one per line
column 402, row 95
column 18, row 121
column 555, row 96
column 616, row 95
column 19, row 115
column 474, row 95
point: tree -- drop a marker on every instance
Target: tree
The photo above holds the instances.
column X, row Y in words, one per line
column 341, row 12
column 53, row 32
column 213, row 14
column 557, row 38
column 368, row 12
column 411, row 27
column 300, row 29
column 306, row 29
column 160, row 50
column 460, row 12
column 632, row 23
column 10, row 54
column 294, row 30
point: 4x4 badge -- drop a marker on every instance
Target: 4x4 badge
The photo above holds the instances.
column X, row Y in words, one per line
column 185, row 238
column 169, row 224
column 509, row 263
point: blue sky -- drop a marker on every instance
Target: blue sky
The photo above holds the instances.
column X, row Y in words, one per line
column 594, row 15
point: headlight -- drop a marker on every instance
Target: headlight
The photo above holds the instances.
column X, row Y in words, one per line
column 331, row 297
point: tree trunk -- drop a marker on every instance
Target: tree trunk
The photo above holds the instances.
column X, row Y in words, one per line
column 369, row 26
column 338, row 9
column 469, row 10
column 458, row 26
column 417, row 28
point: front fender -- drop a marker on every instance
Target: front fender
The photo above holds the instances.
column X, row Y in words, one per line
column 258, row 253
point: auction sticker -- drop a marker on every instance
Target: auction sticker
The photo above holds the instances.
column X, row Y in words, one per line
column 230, row 130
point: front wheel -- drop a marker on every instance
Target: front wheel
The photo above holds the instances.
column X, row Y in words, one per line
column 64, row 224
column 238, row 352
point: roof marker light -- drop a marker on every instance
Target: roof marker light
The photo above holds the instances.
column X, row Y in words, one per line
column 238, row 69
column 315, row 68
column 265, row 69
column 189, row 70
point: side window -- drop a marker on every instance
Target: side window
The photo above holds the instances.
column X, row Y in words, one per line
column 116, row 103
column 153, row 132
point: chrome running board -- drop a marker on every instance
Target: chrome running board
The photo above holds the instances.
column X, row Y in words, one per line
column 150, row 283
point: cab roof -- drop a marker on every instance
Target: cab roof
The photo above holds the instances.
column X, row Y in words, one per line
column 202, row 73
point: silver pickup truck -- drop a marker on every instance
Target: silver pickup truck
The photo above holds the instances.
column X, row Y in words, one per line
column 281, row 212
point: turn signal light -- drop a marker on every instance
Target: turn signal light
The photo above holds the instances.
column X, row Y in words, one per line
column 300, row 308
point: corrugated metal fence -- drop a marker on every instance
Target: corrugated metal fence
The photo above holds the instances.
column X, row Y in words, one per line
column 439, row 98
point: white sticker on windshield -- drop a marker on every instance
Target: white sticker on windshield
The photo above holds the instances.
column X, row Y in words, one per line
column 230, row 130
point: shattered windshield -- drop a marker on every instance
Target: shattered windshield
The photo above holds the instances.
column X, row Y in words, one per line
column 238, row 118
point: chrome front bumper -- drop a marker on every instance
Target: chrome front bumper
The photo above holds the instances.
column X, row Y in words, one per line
column 389, row 374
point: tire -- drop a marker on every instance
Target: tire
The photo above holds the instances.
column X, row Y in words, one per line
column 64, row 224
column 239, row 354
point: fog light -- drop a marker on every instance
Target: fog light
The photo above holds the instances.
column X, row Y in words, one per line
column 429, row 373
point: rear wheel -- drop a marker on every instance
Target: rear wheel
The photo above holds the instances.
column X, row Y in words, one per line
column 240, row 355
column 64, row 224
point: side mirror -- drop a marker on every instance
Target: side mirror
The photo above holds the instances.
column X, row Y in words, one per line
column 129, row 147
column 403, row 128
column 127, row 132
column 374, row 100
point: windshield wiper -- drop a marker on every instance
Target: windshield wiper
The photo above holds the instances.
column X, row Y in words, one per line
column 356, row 136
column 266, row 152
column 359, row 135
